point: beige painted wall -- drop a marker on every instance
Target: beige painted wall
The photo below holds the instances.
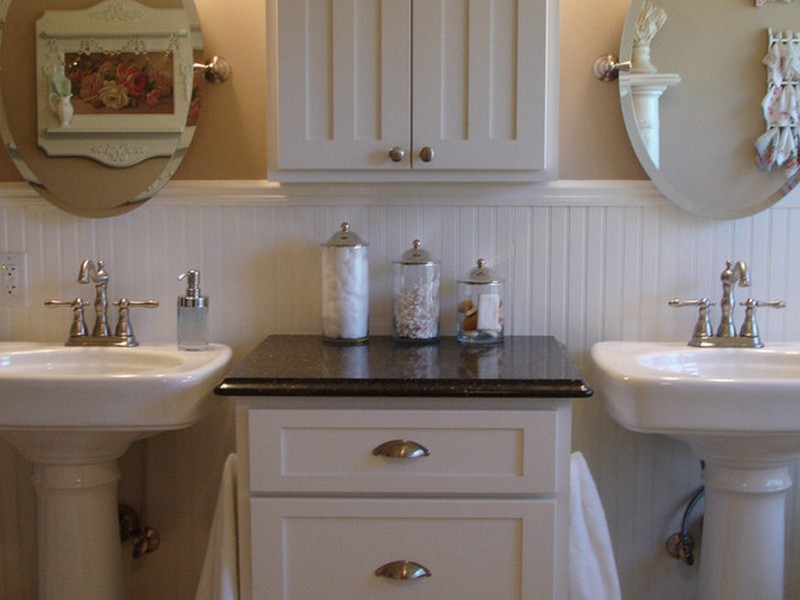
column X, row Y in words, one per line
column 231, row 140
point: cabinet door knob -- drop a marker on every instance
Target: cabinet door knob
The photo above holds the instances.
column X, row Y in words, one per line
column 401, row 449
column 403, row 569
column 426, row 154
column 397, row 153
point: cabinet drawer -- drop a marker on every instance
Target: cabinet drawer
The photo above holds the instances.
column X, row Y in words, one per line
column 473, row 453
column 307, row 549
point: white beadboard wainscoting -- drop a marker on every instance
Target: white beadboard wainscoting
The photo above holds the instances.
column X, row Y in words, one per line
column 585, row 261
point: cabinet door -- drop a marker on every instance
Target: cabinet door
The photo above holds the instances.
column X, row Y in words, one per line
column 344, row 73
column 480, row 81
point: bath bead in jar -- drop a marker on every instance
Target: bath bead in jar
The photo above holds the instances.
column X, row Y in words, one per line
column 415, row 309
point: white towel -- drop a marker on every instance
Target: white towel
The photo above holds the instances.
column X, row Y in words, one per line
column 592, row 569
column 219, row 579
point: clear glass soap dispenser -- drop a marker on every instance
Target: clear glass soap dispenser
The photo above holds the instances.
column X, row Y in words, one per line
column 192, row 314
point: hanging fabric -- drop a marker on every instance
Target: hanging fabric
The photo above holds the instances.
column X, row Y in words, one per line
column 778, row 145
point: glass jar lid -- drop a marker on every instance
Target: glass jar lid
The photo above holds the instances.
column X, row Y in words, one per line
column 416, row 255
column 480, row 275
column 345, row 237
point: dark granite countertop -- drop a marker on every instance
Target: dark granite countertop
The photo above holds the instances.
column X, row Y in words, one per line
column 304, row 365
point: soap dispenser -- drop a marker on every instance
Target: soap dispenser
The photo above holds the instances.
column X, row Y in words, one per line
column 192, row 314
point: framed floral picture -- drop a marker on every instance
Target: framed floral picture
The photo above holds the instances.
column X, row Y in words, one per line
column 123, row 83
column 115, row 81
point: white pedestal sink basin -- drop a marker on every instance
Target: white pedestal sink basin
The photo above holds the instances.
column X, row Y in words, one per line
column 73, row 411
column 739, row 410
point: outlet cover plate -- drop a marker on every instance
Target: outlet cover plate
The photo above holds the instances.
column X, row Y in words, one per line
column 13, row 278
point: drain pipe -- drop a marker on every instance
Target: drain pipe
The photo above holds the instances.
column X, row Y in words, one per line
column 681, row 545
column 145, row 539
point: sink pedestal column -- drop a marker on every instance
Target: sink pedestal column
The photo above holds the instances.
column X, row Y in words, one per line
column 78, row 532
column 742, row 552
column 75, row 476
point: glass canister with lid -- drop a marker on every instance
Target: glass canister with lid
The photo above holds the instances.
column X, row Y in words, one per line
column 345, row 288
column 415, row 314
column 482, row 307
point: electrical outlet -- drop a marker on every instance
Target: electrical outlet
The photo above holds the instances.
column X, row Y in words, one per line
column 13, row 277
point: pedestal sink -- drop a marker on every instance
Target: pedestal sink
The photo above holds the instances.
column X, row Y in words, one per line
column 739, row 410
column 73, row 412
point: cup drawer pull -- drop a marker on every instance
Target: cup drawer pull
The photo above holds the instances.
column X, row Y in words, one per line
column 403, row 569
column 401, row 449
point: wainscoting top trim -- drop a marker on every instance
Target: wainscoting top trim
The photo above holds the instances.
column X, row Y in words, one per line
column 565, row 193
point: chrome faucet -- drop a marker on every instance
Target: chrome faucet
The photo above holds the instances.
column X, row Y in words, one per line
column 101, row 334
column 726, row 335
column 730, row 276
column 99, row 276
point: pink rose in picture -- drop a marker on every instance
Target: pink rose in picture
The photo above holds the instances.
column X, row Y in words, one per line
column 133, row 79
column 152, row 99
column 161, row 84
column 90, row 88
column 161, row 87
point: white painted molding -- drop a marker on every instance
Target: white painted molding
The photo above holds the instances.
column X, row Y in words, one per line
column 562, row 193
column 571, row 193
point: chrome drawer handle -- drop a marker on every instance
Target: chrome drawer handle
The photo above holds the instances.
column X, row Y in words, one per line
column 403, row 569
column 401, row 449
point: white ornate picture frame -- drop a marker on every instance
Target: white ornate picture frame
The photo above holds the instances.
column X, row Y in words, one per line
column 114, row 81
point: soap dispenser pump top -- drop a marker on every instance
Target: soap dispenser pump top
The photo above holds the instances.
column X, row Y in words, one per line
column 192, row 314
column 192, row 297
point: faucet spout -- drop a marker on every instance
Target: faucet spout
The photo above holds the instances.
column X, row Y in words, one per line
column 734, row 273
column 91, row 273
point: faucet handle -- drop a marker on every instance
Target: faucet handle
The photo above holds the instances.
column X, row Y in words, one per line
column 749, row 326
column 702, row 327
column 702, row 303
column 766, row 303
column 78, row 328
column 124, row 328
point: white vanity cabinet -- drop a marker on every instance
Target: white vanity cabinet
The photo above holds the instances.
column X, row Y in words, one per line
column 412, row 90
column 331, row 496
column 383, row 471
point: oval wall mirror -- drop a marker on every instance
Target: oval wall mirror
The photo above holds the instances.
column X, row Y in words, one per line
column 99, row 100
column 692, row 101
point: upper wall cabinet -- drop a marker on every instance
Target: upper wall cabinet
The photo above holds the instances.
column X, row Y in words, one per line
column 413, row 90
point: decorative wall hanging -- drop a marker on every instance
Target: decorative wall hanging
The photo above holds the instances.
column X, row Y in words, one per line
column 109, row 84
column 778, row 145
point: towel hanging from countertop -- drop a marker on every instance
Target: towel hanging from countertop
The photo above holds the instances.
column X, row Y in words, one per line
column 592, row 570
column 219, row 579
